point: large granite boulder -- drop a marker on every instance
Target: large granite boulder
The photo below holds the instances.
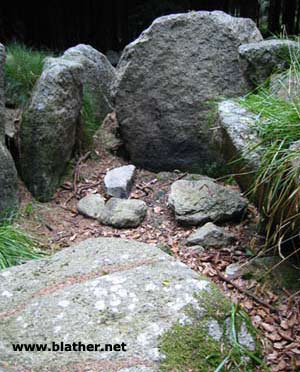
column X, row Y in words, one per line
column 2, row 101
column 9, row 192
column 167, row 82
column 49, row 126
column 98, row 75
column 260, row 60
column 110, row 291
column 198, row 202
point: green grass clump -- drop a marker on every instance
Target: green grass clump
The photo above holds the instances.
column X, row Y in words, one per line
column 276, row 189
column 16, row 247
column 89, row 121
column 22, row 69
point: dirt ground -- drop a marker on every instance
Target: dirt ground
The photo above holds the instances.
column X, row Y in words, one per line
column 57, row 224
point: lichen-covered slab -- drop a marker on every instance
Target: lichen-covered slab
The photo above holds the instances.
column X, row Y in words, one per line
column 198, row 202
column 100, row 291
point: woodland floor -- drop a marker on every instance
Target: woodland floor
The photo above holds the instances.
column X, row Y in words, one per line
column 57, row 224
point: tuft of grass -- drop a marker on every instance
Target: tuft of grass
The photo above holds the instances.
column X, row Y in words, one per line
column 16, row 247
column 22, row 69
column 89, row 121
column 276, row 189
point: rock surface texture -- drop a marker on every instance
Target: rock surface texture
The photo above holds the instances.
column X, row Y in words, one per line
column 49, row 127
column 2, row 100
column 209, row 236
column 9, row 192
column 9, row 189
column 198, row 202
column 123, row 213
column 167, row 81
column 107, row 137
column 235, row 137
column 98, row 76
column 91, row 205
column 260, row 60
column 121, row 292
column 118, row 181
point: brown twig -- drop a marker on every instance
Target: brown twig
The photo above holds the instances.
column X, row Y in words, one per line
column 77, row 171
column 245, row 292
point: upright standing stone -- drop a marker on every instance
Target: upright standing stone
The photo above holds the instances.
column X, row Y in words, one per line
column 167, row 83
column 98, row 75
column 9, row 194
column 49, row 126
column 2, row 103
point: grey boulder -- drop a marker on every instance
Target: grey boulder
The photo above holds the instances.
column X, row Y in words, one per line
column 118, row 181
column 9, row 189
column 105, row 291
column 198, row 202
column 91, row 205
column 260, row 59
column 49, row 127
column 238, row 142
column 210, row 236
column 167, row 81
column 2, row 100
column 122, row 213
column 98, row 76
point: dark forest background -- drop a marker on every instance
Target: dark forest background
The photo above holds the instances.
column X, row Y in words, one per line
column 112, row 24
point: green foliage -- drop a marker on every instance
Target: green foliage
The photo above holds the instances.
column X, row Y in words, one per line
column 16, row 247
column 22, row 69
column 276, row 189
column 89, row 121
column 189, row 347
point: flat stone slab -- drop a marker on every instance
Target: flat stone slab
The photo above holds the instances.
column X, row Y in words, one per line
column 209, row 236
column 122, row 213
column 91, row 205
column 118, row 181
column 103, row 291
column 198, row 202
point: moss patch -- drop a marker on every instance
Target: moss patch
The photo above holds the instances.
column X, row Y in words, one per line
column 209, row 341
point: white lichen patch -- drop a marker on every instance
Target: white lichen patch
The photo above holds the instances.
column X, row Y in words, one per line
column 7, row 294
column 100, row 292
column 115, row 302
column 100, row 305
column 60, row 316
column 57, row 329
column 131, row 307
column 64, row 303
column 150, row 287
column 6, row 274
column 214, row 330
